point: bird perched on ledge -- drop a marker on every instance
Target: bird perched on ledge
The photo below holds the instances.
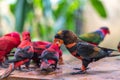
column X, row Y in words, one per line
column 23, row 54
column 28, row 50
column 50, row 57
column 95, row 37
column 82, row 50
column 7, row 43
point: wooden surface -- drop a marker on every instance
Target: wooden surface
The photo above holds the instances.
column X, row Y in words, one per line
column 105, row 69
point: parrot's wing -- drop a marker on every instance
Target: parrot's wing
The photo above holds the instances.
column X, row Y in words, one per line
column 41, row 43
column 4, row 44
column 90, row 37
column 87, row 50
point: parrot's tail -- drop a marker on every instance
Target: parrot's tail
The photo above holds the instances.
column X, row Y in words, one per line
column 12, row 67
column 114, row 55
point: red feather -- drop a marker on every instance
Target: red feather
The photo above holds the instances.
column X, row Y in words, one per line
column 7, row 43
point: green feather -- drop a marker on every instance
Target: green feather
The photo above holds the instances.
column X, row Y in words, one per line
column 91, row 37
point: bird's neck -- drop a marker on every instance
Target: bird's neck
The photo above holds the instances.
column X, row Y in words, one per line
column 54, row 47
column 72, row 48
column 70, row 45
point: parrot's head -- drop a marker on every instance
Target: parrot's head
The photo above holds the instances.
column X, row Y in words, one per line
column 49, row 60
column 26, row 35
column 15, row 35
column 66, row 37
column 105, row 29
column 20, row 51
column 55, row 46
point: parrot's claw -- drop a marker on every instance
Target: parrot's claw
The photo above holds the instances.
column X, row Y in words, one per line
column 79, row 72
column 80, row 69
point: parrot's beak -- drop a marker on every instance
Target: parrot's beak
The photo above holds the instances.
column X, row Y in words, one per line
column 58, row 41
column 108, row 32
column 47, row 65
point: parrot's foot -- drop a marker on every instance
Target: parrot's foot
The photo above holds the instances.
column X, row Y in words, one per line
column 61, row 63
column 80, row 68
column 79, row 72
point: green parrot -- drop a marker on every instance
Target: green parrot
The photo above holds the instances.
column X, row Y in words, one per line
column 95, row 37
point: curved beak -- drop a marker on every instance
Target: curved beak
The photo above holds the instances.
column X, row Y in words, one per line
column 108, row 32
column 46, row 64
column 58, row 41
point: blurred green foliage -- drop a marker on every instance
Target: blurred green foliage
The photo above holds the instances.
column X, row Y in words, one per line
column 99, row 8
column 43, row 18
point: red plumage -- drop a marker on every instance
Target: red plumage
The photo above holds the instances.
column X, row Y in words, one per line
column 55, row 48
column 7, row 43
column 50, row 57
column 26, row 41
column 36, row 48
column 39, row 46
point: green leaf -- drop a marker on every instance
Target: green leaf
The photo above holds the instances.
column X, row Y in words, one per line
column 70, row 22
column 38, row 3
column 74, row 5
column 61, row 10
column 12, row 8
column 98, row 6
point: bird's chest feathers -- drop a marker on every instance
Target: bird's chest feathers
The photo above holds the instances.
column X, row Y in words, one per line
column 73, row 50
column 82, row 50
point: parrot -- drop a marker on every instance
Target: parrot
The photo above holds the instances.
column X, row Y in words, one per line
column 50, row 58
column 23, row 55
column 7, row 43
column 82, row 50
column 26, row 51
column 95, row 37
column 38, row 47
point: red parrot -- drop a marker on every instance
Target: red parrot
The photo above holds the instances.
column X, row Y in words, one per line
column 39, row 46
column 23, row 54
column 26, row 51
column 7, row 43
column 50, row 57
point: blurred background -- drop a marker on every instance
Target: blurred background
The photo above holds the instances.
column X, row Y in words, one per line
column 43, row 18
